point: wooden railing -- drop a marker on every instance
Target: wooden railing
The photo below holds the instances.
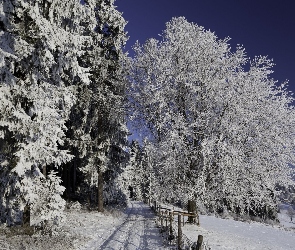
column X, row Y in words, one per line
column 171, row 232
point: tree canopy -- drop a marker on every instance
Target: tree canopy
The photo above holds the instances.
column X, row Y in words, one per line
column 219, row 129
column 222, row 127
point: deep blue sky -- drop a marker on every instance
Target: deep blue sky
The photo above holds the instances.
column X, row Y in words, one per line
column 264, row 27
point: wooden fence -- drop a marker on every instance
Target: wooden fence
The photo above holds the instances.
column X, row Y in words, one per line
column 173, row 234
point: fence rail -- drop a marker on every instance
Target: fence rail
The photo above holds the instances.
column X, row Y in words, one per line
column 173, row 235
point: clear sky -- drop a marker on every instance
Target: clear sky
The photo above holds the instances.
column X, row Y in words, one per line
column 263, row 27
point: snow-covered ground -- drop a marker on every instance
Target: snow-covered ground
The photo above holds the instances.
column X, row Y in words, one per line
column 285, row 218
column 135, row 228
column 230, row 234
column 131, row 229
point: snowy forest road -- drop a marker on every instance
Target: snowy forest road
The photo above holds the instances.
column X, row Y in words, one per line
column 136, row 231
column 131, row 229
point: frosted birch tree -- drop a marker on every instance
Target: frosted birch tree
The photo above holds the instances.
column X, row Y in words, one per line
column 226, row 134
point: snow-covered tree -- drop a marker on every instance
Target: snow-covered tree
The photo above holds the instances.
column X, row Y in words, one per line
column 46, row 213
column 41, row 42
column 97, row 125
column 133, row 176
column 224, row 134
column 138, row 177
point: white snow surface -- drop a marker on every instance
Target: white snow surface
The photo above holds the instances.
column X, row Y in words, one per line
column 230, row 234
column 285, row 218
column 131, row 229
column 135, row 228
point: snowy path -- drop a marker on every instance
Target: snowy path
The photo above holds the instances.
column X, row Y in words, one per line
column 135, row 231
column 89, row 230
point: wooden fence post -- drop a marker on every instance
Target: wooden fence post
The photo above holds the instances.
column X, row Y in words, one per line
column 199, row 242
column 161, row 216
column 179, row 232
column 166, row 218
column 195, row 217
column 198, row 218
column 155, row 206
column 170, row 222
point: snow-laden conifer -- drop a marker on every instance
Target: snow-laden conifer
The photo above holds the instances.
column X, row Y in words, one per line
column 40, row 43
column 133, row 175
column 97, row 130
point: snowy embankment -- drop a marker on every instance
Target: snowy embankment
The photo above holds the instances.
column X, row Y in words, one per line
column 229, row 234
column 221, row 234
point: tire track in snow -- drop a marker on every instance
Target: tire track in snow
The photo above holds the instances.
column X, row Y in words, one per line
column 136, row 232
column 151, row 238
column 113, row 239
column 144, row 240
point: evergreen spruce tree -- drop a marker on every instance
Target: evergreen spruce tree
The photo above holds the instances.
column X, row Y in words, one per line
column 97, row 131
column 40, row 45
column 53, row 53
column 133, row 176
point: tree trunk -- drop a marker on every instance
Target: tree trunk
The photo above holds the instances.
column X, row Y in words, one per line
column 44, row 171
column 68, row 182
column 26, row 216
column 74, row 175
column 191, row 208
column 75, row 167
column 100, row 191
